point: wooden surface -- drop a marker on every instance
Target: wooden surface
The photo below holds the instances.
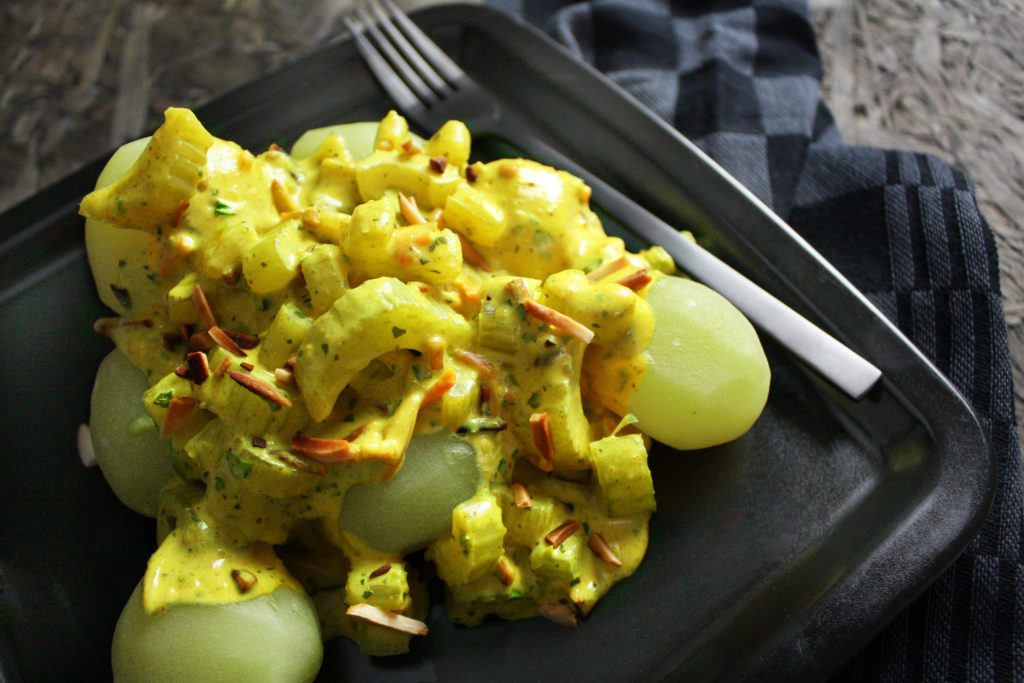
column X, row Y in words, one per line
column 939, row 76
column 944, row 77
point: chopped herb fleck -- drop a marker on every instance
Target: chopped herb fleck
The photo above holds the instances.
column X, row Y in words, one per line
column 239, row 468
column 225, row 208
column 123, row 296
column 483, row 424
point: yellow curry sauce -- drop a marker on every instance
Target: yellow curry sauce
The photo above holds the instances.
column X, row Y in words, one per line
column 300, row 320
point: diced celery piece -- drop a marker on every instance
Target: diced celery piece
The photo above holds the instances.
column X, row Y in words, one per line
column 527, row 526
column 561, row 564
column 498, row 326
column 452, row 141
column 413, row 175
column 500, row 321
column 325, row 275
column 274, row 261
column 389, row 590
column 392, row 131
column 470, row 212
column 234, row 403
column 336, row 186
column 286, row 332
column 158, row 397
column 620, row 463
column 461, row 399
column 475, row 543
column 165, row 175
column 378, row 316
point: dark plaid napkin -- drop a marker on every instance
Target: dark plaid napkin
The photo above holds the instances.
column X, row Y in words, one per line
column 741, row 78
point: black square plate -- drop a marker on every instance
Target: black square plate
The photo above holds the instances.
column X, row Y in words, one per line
column 774, row 557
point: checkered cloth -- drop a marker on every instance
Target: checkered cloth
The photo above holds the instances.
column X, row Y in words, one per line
column 741, row 79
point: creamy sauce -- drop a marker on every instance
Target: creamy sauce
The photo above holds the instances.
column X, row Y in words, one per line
column 372, row 324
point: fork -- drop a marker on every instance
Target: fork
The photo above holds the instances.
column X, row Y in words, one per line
column 430, row 89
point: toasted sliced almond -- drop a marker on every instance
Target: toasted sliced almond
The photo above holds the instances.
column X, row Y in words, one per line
column 509, row 169
column 410, row 211
column 471, row 256
column 200, row 341
column 438, row 164
column 302, row 463
column 222, row 368
column 381, row 570
column 244, row 341
column 469, row 294
column 202, row 305
column 244, row 579
column 179, row 211
column 440, row 387
column 506, row 571
column 540, row 425
column 607, row 268
column 354, row 434
column 311, row 218
column 557, row 536
column 521, row 497
column 563, row 615
column 245, row 159
column 518, row 289
column 324, row 450
column 478, row 362
column 601, row 548
column 198, row 366
column 284, row 375
column 178, row 411
column 225, row 341
column 559, row 320
column 435, row 353
column 637, row 280
column 283, row 200
column 260, row 388
column 395, row 622
column 474, row 170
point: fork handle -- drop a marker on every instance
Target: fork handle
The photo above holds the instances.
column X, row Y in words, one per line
column 831, row 359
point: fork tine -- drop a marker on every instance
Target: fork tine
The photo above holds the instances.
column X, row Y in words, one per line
column 427, row 47
column 408, row 74
column 396, row 87
column 422, row 66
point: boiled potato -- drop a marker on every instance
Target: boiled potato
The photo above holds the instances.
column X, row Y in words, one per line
column 707, row 377
column 132, row 455
column 272, row 638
